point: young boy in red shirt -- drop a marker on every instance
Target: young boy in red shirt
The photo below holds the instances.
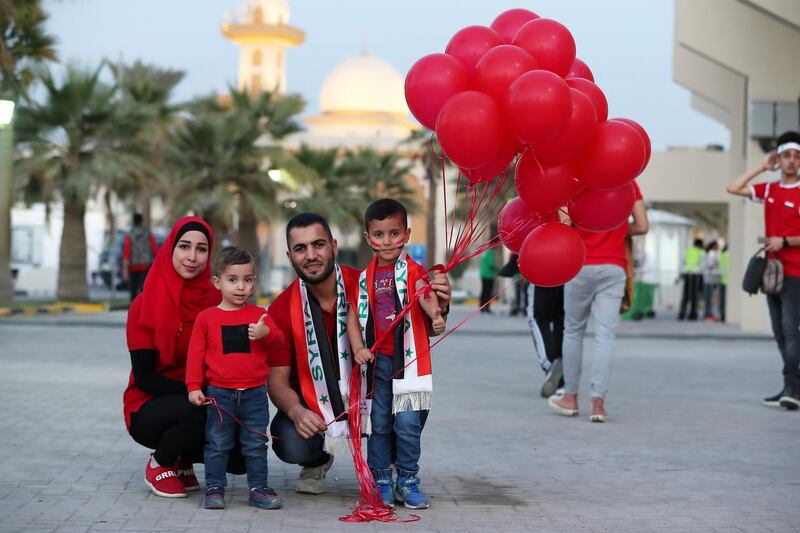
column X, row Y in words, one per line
column 401, row 370
column 228, row 355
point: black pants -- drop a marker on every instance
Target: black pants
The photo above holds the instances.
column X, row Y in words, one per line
column 546, row 320
column 175, row 428
column 722, row 290
column 136, row 282
column 784, row 312
column 692, row 288
column 487, row 291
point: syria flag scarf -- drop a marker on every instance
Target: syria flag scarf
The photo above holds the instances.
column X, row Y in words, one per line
column 324, row 376
column 412, row 384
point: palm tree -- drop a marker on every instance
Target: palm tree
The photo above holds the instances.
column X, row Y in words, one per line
column 229, row 165
column 67, row 148
column 146, row 91
column 23, row 43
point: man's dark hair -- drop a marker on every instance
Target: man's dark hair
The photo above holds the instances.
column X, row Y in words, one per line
column 383, row 209
column 231, row 255
column 789, row 137
column 304, row 220
column 137, row 219
column 698, row 243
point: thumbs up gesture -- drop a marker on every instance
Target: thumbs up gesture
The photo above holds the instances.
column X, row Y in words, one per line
column 438, row 322
column 259, row 330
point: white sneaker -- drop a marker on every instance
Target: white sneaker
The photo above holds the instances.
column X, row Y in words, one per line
column 312, row 478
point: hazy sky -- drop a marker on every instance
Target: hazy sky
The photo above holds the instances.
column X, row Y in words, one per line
column 627, row 44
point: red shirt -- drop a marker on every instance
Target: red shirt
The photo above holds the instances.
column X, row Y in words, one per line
column 222, row 355
column 608, row 247
column 141, row 338
column 781, row 218
column 279, row 310
column 126, row 252
column 385, row 308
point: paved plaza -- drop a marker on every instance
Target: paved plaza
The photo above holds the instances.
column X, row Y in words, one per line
column 689, row 449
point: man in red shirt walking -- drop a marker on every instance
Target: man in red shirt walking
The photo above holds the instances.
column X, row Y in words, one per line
column 781, row 199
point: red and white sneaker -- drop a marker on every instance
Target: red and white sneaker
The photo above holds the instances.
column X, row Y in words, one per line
column 186, row 475
column 164, row 481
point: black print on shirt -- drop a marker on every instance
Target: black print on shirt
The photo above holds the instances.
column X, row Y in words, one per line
column 235, row 339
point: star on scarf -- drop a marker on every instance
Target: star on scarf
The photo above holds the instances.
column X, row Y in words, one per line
column 323, row 399
column 409, row 352
column 343, row 355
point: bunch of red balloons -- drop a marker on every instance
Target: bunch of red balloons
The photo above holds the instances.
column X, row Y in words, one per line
column 516, row 86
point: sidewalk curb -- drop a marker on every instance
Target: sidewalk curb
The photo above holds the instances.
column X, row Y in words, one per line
column 60, row 308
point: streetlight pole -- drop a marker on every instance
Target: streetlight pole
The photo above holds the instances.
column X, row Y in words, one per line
column 6, row 188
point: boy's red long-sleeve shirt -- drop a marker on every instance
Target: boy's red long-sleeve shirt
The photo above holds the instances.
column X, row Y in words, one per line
column 222, row 355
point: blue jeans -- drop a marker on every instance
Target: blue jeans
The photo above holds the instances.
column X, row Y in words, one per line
column 407, row 426
column 251, row 408
column 291, row 448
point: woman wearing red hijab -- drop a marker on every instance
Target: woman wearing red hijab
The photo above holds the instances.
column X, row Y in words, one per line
column 158, row 414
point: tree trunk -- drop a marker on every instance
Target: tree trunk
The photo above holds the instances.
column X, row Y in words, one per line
column 430, row 226
column 247, row 238
column 72, row 284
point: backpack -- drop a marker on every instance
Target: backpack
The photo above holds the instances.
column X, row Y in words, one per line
column 141, row 253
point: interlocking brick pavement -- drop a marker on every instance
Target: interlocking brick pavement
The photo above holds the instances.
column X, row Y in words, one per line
column 689, row 447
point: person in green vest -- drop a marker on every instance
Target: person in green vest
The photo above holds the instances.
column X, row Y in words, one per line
column 488, row 272
column 723, row 281
column 692, row 280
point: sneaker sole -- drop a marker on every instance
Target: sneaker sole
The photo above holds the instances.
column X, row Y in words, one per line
column 313, row 492
column 214, row 507
column 790, row 404
column 270, row 507
column 399, row 498
column 599, row 418
column 164, row 494
column 561, row 410
column 776, row 403
column 192, row 488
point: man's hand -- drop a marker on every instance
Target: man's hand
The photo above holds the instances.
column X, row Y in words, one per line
column 306, row 422
column 364, row 355
column 773, row 244
column 259, row 330
column 438, row 323
column 196, row 397
column 441, row 284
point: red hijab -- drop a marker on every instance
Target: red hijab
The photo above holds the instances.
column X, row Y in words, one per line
column 168, row 300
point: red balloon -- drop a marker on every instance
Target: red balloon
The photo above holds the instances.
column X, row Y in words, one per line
column 643, row 134
column 596, row 210
column 579, row 69
column 551, row 255
column 537, row 106
column 508, row 23
column 515, row 223
column 613, row 158
column 495, row 167
column 469, row 44
column 595, row 95
column 578, row 133
column 549, row 42
column 430, row 82
column 470, row 129
column 499, row 67
column 545, row 188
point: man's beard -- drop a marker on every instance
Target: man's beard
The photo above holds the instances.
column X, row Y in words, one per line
column 317, row 278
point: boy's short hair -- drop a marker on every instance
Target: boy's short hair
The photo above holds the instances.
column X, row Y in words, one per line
column 383, row 209
column 789, row 137
column 231, row 255
column 303, row 220
column 138, row 219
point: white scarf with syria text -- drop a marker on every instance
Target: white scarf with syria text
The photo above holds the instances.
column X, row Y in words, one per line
column 311, row 374
column 412, row 391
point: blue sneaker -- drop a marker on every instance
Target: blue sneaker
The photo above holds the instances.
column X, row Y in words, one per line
column 383, row 479
column 264, row 498
column 407, row 491
column 215, row 498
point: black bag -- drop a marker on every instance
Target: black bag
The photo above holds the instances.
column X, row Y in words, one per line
column 754, row 275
